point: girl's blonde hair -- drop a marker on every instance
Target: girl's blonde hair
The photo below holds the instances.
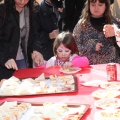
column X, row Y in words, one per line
column 67, row 40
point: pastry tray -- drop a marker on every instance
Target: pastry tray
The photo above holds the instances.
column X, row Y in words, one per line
column 72, row 111
column 50, row 87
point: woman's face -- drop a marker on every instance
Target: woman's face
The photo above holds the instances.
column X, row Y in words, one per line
column 19, row 4
column 97, row 9
column 63, row 53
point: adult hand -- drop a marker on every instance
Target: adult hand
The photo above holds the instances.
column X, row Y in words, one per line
column 108, row 30
column 11, row 64
column 98, row 46
column 117, row 33
column 53, row 34
column 60, row 10
column 38, row 58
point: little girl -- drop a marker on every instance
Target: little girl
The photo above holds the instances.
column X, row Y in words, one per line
column 66, row 53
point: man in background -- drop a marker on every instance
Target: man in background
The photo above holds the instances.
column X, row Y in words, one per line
column 47, row 20
column 73, row 9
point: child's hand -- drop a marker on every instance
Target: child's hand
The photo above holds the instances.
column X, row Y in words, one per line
column 67, row 65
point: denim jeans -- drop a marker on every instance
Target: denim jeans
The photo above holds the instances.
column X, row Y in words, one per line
column 21, row 64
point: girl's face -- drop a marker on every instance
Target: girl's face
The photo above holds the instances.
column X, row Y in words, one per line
column 19, row 4
column 63, row 53
column 97, row 9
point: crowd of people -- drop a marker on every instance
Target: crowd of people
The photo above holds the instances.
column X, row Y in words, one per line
column 56, row 32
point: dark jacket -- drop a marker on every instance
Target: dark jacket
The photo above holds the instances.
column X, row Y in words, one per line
column 57, row 3
column 111, row 1
column 9, row 38
column 46, row 22
column 72, row 12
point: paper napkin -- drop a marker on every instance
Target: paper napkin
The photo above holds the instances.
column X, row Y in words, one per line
column 94, row 83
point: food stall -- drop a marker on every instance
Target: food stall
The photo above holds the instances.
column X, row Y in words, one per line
column 91, row 90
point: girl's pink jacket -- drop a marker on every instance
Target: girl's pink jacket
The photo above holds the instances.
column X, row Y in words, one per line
column 80, row 61
column 77, row 61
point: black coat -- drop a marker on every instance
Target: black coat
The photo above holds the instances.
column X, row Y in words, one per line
column 46, row 22
column 10, row 36
column 111, row 1
column 72, row 12
column 57, row 3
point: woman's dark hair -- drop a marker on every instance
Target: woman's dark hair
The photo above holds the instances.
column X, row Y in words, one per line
column 30, row 3
column 67, row 40
column 86, row 11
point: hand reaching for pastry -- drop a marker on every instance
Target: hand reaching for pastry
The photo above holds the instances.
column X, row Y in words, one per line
column 11, row 64
column 38, row 58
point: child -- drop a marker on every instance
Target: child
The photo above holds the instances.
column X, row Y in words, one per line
column 66, row 53
column 89, row 35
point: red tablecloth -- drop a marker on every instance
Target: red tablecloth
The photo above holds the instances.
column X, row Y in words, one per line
column 95, row 72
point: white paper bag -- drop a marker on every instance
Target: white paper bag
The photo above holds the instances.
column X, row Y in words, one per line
column 117, row 38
